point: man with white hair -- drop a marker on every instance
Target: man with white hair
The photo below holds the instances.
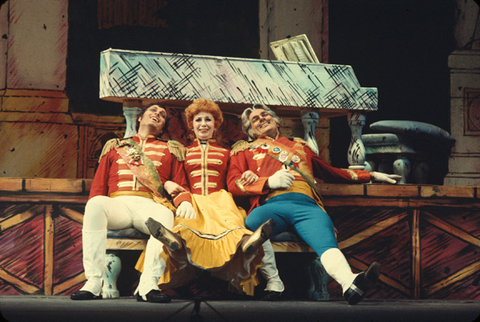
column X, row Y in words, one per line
column 278, row 176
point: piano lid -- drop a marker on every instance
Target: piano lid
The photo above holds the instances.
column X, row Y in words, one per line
column 234, row 83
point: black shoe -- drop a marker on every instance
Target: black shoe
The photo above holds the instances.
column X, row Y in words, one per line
column 155, row 296
column 85, row 295
column 254, row 241
column 169, row 239
column 362, row 283
column 271, row 296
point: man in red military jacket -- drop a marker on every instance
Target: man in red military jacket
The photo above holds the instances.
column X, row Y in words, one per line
column 127, row 189
column 278, row 175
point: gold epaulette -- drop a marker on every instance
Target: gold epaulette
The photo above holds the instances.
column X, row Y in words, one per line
column 303, row 142
column 177, row 149
column 239, row 146
column 109, row 145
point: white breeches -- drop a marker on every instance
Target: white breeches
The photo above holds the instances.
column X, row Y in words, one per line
column 103, row 212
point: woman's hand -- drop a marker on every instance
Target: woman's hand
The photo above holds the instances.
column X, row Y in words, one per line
column 384, row 177
column 248, row 177
column 173, row 188
column 185, row 210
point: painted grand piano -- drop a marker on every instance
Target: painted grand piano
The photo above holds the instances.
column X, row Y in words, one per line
column 293, row 89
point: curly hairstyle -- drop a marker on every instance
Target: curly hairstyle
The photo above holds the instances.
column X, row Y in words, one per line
column 203, row 105
column 247, row 126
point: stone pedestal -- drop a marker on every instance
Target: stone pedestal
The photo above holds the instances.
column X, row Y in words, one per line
column 464, row 161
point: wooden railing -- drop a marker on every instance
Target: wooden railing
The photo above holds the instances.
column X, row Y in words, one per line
column 427, row 238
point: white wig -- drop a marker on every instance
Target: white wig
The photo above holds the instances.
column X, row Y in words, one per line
column 247, row 126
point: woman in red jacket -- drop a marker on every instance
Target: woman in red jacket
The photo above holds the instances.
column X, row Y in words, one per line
column 213, row 237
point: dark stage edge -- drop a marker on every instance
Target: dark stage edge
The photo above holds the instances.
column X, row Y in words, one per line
column 61, row 308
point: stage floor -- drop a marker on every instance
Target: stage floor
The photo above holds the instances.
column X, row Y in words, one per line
column 61, row 308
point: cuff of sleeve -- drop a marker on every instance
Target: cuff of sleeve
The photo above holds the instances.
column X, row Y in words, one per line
column 364, row 176
column 257, row 188
column 184, row 196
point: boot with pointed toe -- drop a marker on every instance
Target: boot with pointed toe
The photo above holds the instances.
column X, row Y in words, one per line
column 362, row 283
column 271, row 296
column 254, row 241
column 171, row 240
column 154, row 296
column 84, row 295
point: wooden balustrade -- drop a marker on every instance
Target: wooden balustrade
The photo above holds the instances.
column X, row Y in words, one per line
column 426, row 237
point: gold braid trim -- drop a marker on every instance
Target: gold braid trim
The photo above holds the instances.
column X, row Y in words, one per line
column 239, row 146
column 303, row 142
column 352, row 173
column 111, row 144
column 177, row 149
column 165, row 202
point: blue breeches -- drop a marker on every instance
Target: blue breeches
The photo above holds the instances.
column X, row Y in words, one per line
column 299, row 214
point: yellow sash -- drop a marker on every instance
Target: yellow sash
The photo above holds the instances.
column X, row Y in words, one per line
column 144, row 169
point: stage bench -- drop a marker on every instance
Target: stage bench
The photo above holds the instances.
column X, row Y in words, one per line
column 286, row 242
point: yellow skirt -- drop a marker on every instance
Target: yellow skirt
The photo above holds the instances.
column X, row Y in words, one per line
column 212, row 242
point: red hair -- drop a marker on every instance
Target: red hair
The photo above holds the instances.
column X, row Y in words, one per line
column 203, row 105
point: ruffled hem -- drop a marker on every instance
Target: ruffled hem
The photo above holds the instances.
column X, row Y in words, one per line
column 240, row 270
column 211, row 253
column 212, row 242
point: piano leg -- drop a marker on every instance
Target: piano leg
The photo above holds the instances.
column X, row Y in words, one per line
column 356, row 150
column 131, row 108
column 310, row 120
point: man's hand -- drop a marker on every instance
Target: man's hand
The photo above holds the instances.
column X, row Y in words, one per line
column 248, row 177
column 281, row 179
column 185, row 210
column 384, row 177
column 173, row 188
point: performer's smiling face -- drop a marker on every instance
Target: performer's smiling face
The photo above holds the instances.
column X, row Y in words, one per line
column 204, row 125
column 263, row 124
column 154, row 119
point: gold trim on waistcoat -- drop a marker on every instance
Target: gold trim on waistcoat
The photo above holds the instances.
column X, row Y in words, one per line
column 143, row 194
column 125, row 172
column 198, row 173
column 215, row 153
column 259, row 156
column 200, row 161
column 199, row 185
column 298, row 187
column 151, row 152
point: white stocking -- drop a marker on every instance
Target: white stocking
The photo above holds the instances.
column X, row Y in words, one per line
column 269, row 269
column 153, row 268
column 94, row 249
column 338, row 268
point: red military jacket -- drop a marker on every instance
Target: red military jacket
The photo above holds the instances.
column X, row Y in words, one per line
column 206, row 169
column 266, row 156
column 114, row 175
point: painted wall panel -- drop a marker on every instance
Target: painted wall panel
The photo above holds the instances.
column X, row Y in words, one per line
column 3, row 44
column 38, row 150
column 284, row 19
column 37, row 44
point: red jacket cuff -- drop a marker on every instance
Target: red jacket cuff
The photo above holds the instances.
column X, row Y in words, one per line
column 184, row 196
